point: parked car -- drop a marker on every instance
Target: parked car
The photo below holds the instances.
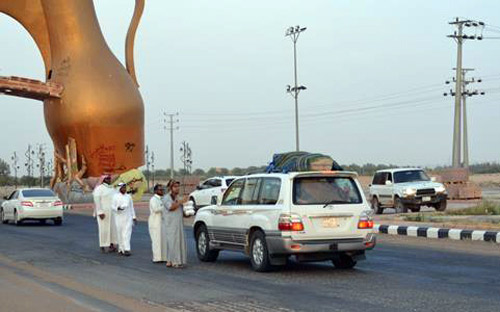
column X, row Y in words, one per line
column 208, row 191
column 313, row 216
column 32, row 204
column 406, row 188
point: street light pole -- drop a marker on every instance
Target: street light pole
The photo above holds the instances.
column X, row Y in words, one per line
column 294, row 33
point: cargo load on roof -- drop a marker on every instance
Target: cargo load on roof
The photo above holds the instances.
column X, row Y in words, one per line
column 302, row 161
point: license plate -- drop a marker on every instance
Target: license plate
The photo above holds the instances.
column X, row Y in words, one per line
column 426, row 199
column 329, row 222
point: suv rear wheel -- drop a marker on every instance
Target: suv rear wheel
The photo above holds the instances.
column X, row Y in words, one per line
column 344, row 261
column 203, row 246
column 376, row 206
column 399, row 206
column 259, row 255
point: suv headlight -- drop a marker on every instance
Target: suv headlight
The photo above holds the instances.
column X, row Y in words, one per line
column 410, row 191
column 440, row 189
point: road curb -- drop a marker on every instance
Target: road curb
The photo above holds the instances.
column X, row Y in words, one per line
column 431, row 232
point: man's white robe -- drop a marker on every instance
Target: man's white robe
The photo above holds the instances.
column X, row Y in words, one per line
column 103, row 198
column 156, row 226
column 123, row 208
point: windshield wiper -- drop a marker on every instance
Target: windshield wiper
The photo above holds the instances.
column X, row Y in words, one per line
column 335, row 202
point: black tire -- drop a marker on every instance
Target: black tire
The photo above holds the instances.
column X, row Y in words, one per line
column 203, row 250
column 399, row 206
column 376, row 206
column 58, row 221
column 441, row 206
column 259, row 254
column 344, row 262
column 17, row 222
column 4, row 221
column 415, row 208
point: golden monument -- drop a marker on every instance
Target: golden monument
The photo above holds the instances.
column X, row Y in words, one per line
column 93, row 109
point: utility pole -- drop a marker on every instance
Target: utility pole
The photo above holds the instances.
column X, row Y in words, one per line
column 294, row 33
column 29, row 154
column 465, row 92
column 169, row 125
column 15, row 166
column 153, row 166
column 41, row 163
column 186, row 160
column 147, row 166
column 460, row 37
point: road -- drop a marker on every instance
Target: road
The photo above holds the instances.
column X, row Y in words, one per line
column 60, row 268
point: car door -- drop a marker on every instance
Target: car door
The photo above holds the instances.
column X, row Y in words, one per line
column 386, row 189
column 223, row 230
column 11, row 203
column 214, row 191
column 203, row 198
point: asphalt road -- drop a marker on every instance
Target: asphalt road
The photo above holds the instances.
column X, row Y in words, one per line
column 64, row 266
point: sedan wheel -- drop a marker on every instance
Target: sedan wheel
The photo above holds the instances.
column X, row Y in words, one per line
column 4, row 220
column 16, row 219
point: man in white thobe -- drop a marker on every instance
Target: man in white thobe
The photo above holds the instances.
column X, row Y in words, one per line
column 156, row 225
column 103, row 197
column 123, row 208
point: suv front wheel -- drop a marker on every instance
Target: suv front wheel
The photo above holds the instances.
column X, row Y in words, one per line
column 259, row 254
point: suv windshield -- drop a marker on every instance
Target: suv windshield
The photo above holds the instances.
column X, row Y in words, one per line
column 38, row 193
column 410, row 176
column 325, row 190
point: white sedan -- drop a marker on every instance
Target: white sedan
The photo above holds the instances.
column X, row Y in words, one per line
column 32, row 204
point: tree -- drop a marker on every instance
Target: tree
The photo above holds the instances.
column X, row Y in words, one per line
column 4, row 168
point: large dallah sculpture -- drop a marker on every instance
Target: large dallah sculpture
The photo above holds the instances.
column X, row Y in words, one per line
column 97, row 122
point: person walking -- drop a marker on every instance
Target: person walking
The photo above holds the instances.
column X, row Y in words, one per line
column 103, row 197
column 176, row 241
column 156, row 225
column 123, row 207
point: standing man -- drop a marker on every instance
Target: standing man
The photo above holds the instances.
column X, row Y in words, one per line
column 176, row 242
column 123, row 207
column 156, row 225
column 103, row 197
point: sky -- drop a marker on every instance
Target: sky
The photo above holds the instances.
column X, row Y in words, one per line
column 374, row 72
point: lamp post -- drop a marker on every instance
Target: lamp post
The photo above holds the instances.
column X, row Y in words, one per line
column 294, row 33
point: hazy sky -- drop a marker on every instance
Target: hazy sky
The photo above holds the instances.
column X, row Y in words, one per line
column 374, row 72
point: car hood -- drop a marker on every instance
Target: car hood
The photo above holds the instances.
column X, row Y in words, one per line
column 419, row 184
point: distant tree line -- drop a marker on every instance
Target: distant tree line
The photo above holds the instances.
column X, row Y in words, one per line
column 367, row 169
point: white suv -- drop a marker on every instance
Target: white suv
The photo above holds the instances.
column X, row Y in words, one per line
column 208, row 191
column 314, row 216
column 406, row 188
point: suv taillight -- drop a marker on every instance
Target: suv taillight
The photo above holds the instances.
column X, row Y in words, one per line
column 365, row 220
column 26, row 204
column 289, row 222
column 57, row 203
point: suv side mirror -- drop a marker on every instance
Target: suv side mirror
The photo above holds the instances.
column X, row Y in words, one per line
column 433, row 179
column 388, row 183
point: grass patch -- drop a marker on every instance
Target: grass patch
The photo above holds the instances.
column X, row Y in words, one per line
column 419, row 217
column 486, row 208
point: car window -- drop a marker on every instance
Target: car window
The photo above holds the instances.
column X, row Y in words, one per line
column 228, row 181
column 325, row 190
column 16, row 195
column 410, row 176
column 377, row 179
column 232, row 195
column 270, row 191
column 38, row 193
column 389, row 176
column 250, row 194
column 207, row 184
column 216, row 182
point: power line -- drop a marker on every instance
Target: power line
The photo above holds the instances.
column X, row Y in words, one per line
column 170, row 123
